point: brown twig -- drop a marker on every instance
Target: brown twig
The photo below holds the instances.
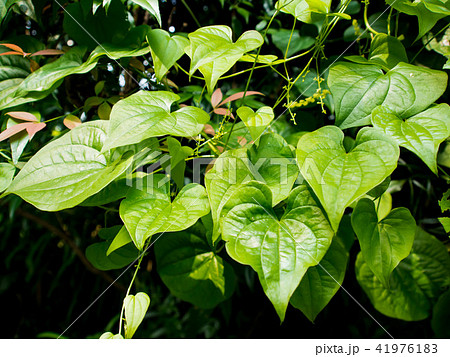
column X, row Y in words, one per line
column 69, row 241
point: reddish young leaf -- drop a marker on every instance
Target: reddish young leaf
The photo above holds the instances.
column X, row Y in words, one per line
column 23, row 116
column 13, row 47
column 239, row 95
column 48, row 52
column 34, row 66
column 31, row 128
column 216, row 97
column 11, row 53
column 71, row 121
column 208, row 129
column 223, row 111
column 241, row 140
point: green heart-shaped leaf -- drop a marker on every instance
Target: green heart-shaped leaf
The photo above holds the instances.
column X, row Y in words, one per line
column 280, row 251
column 213, row 52
column 308, row 11
column 192, row 271
column 257, row 122
column 6, row 175
column 68, row 170
column 338, row 178
column 321, row 282
column 165, row 50
column 422, row 134
column 384, row 243
column 147, row 114
column 97, row 255
column 271, row 162
column 145, row 214
column 135, row 310
column 387, row 51
column 415, row 284
column 428, row 12
column 152, row 6
column 358, row 89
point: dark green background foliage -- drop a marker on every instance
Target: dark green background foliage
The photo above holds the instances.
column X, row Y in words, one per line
column 47, row 279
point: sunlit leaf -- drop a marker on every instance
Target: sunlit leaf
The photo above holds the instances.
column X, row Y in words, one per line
column 213, row 52
column 422, row 133
column 338, row 177
column 148, row 114
column 279, row 250
column 135, row 310
column 358, row 89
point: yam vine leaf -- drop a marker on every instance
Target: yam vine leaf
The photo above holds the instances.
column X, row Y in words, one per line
column 70, row 169
column 256, row 122
column 42, row 82
column 271, row 162
column 152, row 6
column 358, row 89
column 147, row 114
column 135, row 307
column 192, row 271
column 338, row 178
column 384, row 243
column 145, row 213
column 6, row 175
column 415, row 284
column 279, row 250
column 213, row 52
column 422, row 133
column 308, row 11
column 428, row 12
column 321, row 282
column 166, row 50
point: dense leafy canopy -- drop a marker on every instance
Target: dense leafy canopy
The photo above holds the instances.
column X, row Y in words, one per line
column 259, row 146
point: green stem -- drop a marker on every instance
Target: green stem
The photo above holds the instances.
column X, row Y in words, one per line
column 192, row 14
column 389, row 21
column 251, row 72
column 131, row 284
column 431, row 39
column 366, row 21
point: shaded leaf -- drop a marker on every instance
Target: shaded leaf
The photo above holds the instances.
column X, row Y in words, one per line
column 415, row 284
column 192, row 271
column 152, row 6
column 384, row 243
column 321, row 282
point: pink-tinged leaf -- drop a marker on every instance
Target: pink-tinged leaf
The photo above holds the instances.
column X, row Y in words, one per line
column 239, row 95
column 71, row 121
column 48, row 52
column 13, row 47
column 219, row 149
column 208, row 129
column 34, row 66
column 12, row 131
column 11, row 53
column 216, row 97
column 33, row 128
column 23, row 116
column 241, row 140
column 224, row 111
